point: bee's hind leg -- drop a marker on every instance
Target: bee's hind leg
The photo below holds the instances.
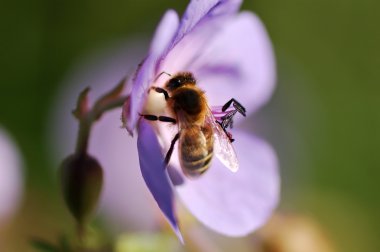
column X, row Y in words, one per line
column 227, row 119
column 238, row 107
column 170, row 151
column 224, row 127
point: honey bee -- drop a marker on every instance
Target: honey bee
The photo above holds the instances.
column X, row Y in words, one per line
column 200, row 135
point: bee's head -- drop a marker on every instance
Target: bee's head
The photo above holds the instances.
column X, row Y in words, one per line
column 180, row 80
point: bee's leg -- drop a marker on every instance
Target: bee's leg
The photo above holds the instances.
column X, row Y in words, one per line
column 161, row 91
column 229, row 135
column 167, row 119
column 227, row 120
column 236, row 105
column 159, row 118
column 170, row 151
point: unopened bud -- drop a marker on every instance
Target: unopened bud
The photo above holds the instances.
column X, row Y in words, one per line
column 82, row 180
column 294, row 233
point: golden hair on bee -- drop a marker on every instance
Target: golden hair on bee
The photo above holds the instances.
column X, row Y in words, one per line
column 189, row 105
column 187, row 101
column 199, row 134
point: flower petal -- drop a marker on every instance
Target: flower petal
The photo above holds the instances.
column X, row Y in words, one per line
column 236, row 203
column 164, row 34
column 154, row 172
column 123, row 183
column 11, row 182
column 147, row 70
column 237, row 61
column 200, row 10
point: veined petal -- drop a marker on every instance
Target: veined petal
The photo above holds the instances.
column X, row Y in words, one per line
column 146, row 72
column 236, row 204
column 154, row 172
column 237, row 61
column 197, row 11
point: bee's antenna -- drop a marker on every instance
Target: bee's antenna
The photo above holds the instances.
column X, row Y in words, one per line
column 158, row 76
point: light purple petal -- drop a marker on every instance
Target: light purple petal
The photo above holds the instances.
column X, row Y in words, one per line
column 154, row 172
column 235, row 204
column 126, row 201
column 197, row 11
column 10, row 177
column 164, row 33
column 236, row 62
column 147, row 71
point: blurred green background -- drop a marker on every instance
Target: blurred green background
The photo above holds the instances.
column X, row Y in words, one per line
column 323, row 119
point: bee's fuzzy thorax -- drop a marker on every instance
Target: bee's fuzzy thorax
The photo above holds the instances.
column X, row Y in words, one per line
column 190, row 103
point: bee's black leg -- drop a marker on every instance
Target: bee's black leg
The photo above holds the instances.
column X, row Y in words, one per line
column 227, row 120
column 170, row 151
column 159, row 118
column 228, row 134
column 161, row 91
column 167, row 119
column 236, row 105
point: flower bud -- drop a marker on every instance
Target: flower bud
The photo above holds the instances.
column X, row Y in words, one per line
column 294, row 233
column 81, row 181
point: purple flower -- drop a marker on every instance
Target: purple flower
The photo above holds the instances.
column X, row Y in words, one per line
column 230, row 56
column 10, row 177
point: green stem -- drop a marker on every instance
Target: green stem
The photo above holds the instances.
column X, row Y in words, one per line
column 81, row 231
column 83, row 136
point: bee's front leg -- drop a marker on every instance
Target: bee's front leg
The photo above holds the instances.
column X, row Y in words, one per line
column 161, row 91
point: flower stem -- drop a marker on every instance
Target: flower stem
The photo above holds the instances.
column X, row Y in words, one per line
column 86, row 116
column 83, row 136
column 86, row 121
column 81, row 236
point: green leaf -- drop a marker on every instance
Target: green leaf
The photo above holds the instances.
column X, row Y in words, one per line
column 43, row 246
column 64, row 244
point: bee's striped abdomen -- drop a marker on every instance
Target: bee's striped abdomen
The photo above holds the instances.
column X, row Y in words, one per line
column 196, row 149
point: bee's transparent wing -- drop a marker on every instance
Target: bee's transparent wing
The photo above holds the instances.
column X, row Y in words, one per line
column 223, row 148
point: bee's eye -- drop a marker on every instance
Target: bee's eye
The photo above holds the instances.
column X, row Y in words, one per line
column 174, row 83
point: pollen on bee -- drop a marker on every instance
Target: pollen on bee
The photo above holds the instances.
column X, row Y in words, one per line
column 155, row 103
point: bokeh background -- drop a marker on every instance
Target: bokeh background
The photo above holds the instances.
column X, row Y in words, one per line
column 323, row 119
